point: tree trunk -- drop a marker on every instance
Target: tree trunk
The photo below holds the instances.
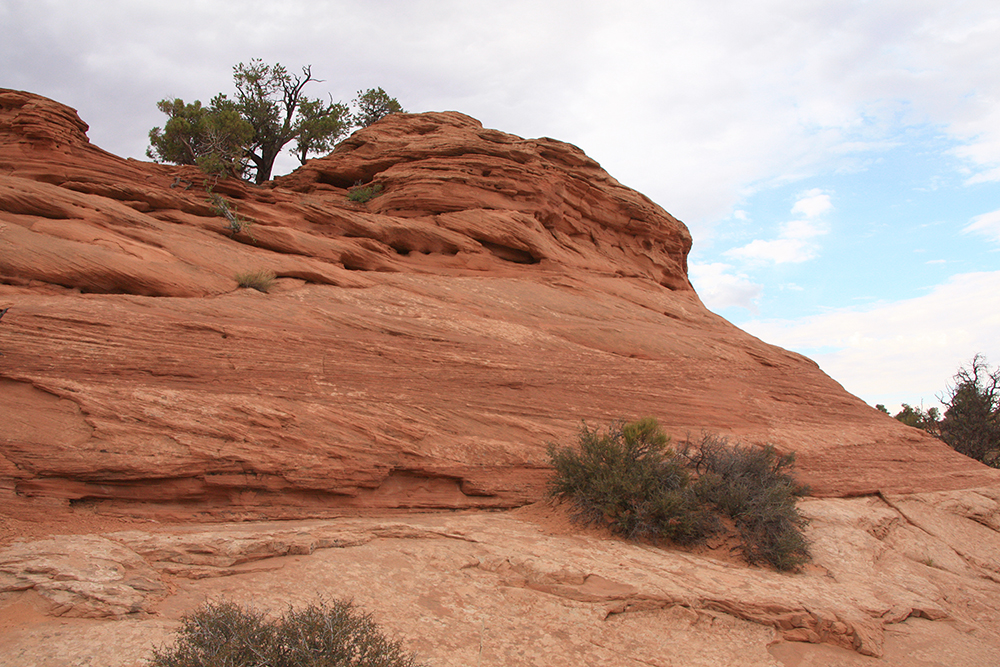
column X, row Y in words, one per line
column 265, row 165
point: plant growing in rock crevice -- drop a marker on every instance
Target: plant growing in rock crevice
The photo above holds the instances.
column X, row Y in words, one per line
column 629, row 480
column 237, row 223
column 261, row 280
column 364, row 193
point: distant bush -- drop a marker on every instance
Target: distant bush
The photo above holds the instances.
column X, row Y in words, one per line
column 630, row 481
column 261, row 280
column 364, row 193
column 225, row 634
column 971, row 421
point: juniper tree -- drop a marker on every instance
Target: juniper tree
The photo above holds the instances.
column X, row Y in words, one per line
column 245, row 134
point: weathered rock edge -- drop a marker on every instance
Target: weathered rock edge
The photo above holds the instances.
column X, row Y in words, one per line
column 878, row 562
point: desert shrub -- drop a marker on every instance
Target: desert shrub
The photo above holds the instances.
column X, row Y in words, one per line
column 364, row 193
column 261, row 280
column 225, row 634
column 627, row 478
column 754, row 487
column 236, row 223
column 971, row 423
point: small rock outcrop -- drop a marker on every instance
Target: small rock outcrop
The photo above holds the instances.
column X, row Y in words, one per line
column 418, row 350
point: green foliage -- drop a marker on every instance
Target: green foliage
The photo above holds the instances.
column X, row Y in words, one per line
column 236, row 223
column 261, row 280
column 211, row 137
column 971, row 423
column 754, row 487
column 373, row 105
column 929, row 420
column 321, row 126
column 245, row 134
column 224, row 634
column 269, row 98
column 364, row 193
column 629, row 480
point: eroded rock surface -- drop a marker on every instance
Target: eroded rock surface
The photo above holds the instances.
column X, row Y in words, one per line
column 418, row 350
column 522, row 589
column 82, row 575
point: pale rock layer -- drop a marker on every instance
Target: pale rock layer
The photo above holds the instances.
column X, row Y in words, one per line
column 904, row 581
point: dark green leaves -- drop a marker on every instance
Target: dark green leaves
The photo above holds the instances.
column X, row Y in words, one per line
column 373, row 105
column 243, row 135
column 629, row 480
column 213, row 137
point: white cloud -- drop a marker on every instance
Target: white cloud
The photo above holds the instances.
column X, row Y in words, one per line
column 777, row 251
column 904, row 351
column 720, row 288
column 987, row 224
column 813, row 204
column 793, row 245
column 742, row 95
column 803, row 229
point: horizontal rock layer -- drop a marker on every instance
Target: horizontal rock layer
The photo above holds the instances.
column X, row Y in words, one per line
column 417, row 351
column 904, row 581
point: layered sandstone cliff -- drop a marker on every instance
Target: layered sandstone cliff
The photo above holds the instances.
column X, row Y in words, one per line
column 419, row 350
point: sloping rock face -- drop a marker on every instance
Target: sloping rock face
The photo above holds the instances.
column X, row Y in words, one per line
column 418, row 350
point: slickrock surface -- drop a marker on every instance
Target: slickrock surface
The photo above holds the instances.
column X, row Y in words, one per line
column 909, row 581
column 418, row 350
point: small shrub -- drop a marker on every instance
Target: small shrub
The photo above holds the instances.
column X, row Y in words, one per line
column 364, row 193
column 334, row 634
column 629, row 480
column 754, row 487
column 261, row 280
column 236, row 223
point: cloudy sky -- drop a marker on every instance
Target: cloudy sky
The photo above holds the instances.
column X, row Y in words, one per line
column 837, row 161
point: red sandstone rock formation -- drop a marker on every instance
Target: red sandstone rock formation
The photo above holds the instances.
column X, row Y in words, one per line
column 418, row 350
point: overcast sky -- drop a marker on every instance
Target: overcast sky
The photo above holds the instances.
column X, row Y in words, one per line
column 838, row 162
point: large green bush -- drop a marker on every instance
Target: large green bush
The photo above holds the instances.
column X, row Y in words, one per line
column 225, row 634
column 627, row 478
